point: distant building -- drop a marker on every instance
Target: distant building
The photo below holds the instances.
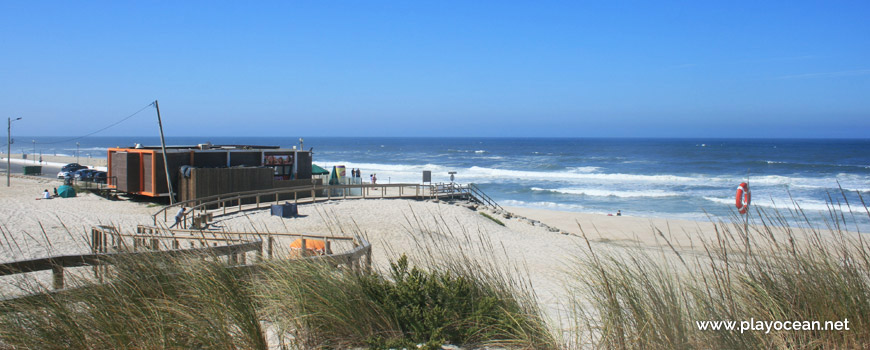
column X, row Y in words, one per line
column 206, row 170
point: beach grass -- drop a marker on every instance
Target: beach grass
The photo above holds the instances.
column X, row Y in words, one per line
column 437, row 297
column 497, row 221
column 751, row 271
column 199, row 301
column 749, row 268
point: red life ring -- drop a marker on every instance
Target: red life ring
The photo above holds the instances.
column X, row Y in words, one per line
column 743, row 198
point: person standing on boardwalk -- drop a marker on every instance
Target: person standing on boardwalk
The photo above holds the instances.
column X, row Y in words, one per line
column 178, row 216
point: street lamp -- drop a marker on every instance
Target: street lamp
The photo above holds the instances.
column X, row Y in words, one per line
column 9, row 150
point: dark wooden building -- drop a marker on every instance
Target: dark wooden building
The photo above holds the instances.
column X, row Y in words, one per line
column 205, row 170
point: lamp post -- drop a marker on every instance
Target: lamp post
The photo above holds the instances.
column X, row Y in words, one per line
column 9, row 150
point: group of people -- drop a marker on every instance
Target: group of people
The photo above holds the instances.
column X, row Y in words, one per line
column 358, row 173
column 47, row 195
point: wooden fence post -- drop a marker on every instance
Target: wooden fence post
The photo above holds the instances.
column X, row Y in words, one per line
column 369, row 259
column 57, row 274
column 271, row 241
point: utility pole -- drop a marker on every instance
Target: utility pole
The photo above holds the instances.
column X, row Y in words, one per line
column 165, row 163
column 9, row 150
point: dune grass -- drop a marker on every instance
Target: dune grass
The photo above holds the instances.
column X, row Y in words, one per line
column 760, row 270
column 437, row 297
column 497, row 221
column 199, row 301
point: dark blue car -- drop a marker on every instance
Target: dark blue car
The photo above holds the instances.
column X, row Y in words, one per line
column 99, row 177
column 85, row 174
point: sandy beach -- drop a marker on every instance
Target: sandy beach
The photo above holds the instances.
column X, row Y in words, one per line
column 542, row 245
column 52, row 159
column 36, row 228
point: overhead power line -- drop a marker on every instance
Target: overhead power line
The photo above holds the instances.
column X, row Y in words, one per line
column 102, row 129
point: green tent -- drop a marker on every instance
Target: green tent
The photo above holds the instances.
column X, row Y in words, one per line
column 66, row 191
column 316, row 170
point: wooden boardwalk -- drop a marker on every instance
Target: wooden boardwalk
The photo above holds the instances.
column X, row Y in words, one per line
column 202, row 210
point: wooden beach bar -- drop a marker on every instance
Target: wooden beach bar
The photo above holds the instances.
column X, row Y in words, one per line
column 206, row 170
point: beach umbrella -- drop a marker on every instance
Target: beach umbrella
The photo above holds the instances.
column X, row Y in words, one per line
column 316, row 170
column 333, row 178
column 66, row 191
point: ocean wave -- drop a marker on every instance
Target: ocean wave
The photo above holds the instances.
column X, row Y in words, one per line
column 493, row 173
column 584, row 169
column 805, row 164
column 779, row 203
column 84, row 149
column 541, row 205
column 610, row 193
column 593, row 176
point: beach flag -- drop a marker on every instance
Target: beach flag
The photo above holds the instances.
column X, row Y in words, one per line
column 342, row 172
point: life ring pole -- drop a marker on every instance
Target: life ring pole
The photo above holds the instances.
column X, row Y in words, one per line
column 746, row 218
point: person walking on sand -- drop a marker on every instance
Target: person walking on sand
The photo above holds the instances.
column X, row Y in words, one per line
column 178, row 216
column 374, row 179
column 619, row 213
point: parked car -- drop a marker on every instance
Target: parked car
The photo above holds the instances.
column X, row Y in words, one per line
column 85, row 174
column 72, row 167
column 99, row 177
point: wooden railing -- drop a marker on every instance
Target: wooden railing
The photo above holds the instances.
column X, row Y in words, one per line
column 482, row 197
column 306, row 194
column 149, row 236
column 235, row 202
column 57, row 264
column 105, row 238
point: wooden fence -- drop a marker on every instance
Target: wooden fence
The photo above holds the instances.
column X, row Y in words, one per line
column 57, row 264
column 236, row 202
column 108, row 245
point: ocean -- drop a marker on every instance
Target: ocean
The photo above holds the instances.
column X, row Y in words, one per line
column 670, row 178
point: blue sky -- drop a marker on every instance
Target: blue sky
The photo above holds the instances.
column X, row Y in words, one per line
column 441, row 68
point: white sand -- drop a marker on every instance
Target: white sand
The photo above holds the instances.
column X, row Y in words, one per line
column 57, row 160
column 66, row 221
column 392, row 226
